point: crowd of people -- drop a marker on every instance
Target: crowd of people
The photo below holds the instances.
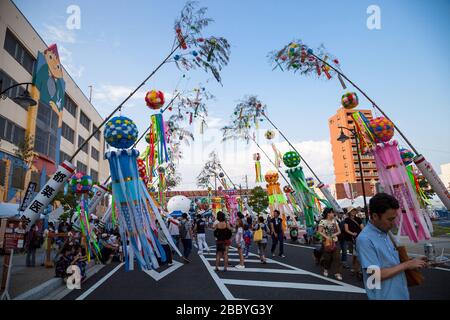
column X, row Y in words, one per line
column 334, row 235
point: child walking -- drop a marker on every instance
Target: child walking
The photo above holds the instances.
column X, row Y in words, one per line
column 248, row 236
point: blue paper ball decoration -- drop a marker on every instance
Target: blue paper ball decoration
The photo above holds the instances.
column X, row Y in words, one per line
column 120, row 132
column 310, row 182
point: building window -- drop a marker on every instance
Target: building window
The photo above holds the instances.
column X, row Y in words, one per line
column 94, row 153
column 11, row 132
column 2, row 173
column 67, row 132
column 63, row 156
column 97, row 134
column 6, row 82
column 18, row 52
column 85, row 121
column 81, row 167
column 46, row 131
column 94, row 176
column 18, row 178
column 70, row 106
column 85, row 148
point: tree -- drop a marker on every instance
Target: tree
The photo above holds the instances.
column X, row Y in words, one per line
column 210, row 169
column 259, row 201
column 68, row 201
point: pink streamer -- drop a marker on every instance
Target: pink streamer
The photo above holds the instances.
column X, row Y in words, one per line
column 394, row 178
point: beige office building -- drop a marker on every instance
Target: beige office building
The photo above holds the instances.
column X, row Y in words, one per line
column 56, row 133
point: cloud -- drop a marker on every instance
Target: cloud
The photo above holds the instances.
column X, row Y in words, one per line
column 65, row 56
column 58, row 34
column 117, row 93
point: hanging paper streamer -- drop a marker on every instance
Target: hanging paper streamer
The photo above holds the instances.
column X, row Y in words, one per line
column 216, row 204
column 337, row 65
column 276, row 197
column 326, row 68
column 142, row 171
column 231, row 204
column 395, row 180
column 292, row 159
column 133, row 211
column 181, row 39
column 421, row 196
column 162, row 186
column 258, row 173
column 158, row 148
column 365, row 132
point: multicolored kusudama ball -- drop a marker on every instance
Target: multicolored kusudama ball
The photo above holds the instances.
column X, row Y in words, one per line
column 161, row 170
column 271, row 176
column 287, row 189
column 80, row 183
column 291, row 159
column 350, row 100
column 407, row 156
column 383, row 129
column 310, row 182
column 221, row 175
column 120, row 132
column 269, row 134
column 154, row 99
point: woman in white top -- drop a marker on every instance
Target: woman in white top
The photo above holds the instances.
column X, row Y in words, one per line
column 239, row 238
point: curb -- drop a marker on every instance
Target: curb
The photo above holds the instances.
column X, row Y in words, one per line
column 48, row 288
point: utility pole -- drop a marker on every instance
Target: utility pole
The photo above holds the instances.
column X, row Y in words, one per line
column 246, row 186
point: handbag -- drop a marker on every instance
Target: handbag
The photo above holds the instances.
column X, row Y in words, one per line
column 413, row 277
column 258, row 235
column 329, row 245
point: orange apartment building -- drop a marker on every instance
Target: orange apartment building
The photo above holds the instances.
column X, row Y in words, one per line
column 345, row 158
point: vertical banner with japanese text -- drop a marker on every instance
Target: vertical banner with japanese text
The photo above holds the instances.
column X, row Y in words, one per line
column 48, row 192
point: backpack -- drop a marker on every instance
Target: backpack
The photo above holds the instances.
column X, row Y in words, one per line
column 183, row 230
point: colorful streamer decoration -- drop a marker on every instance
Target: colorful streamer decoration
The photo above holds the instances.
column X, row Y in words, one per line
column 158, row 153
column 120, row 132
column 162, row 186
column 273, row 188
column 231, row 204
column 258, row 173
column 395, row 180
column 295, row 173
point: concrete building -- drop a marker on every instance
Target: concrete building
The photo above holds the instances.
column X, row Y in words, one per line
column 445, row 174
column 345, row 159
column 56, row 132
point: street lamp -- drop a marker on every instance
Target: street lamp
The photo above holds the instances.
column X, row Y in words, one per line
column 342, row 138
column 24, row 100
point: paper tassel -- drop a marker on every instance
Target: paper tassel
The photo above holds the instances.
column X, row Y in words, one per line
column 342, row 82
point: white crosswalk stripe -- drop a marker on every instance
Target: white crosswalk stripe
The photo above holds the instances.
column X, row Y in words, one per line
column 285, row 269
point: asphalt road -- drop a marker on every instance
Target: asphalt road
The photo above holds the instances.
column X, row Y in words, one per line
column 294, row 277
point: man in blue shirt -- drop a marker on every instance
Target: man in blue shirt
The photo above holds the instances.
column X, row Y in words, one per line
column 376, row 251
